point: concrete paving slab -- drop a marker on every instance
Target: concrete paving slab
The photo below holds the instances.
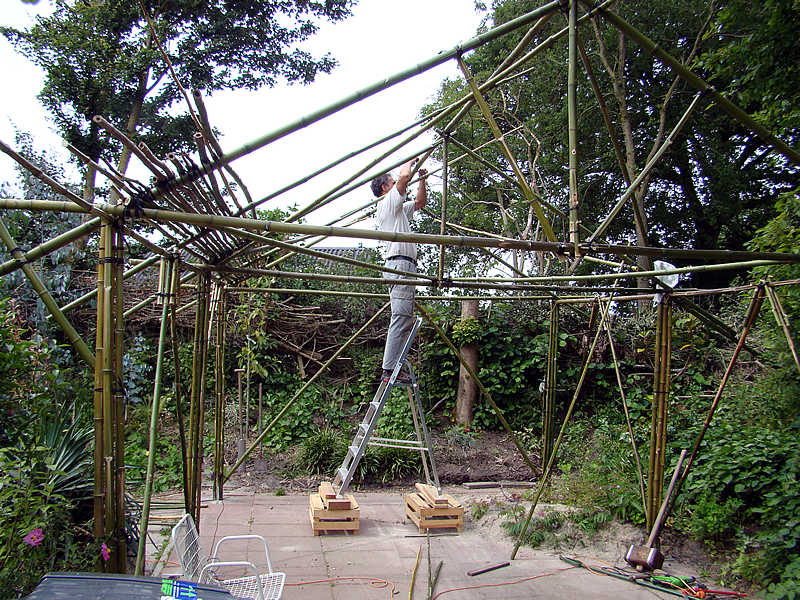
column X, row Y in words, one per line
column 382, row 550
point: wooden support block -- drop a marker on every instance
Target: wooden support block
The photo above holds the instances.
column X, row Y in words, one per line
column 431, row 494
column 326, row 490
column 324, row 520
column 329, row 498
column 427, row 516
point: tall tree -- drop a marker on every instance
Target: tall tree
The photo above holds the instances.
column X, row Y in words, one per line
column 713, row 187
column 100, row 58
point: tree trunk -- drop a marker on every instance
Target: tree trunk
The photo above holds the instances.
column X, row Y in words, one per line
column 467, row 388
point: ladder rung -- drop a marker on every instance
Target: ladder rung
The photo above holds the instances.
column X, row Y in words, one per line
column 342, row 473
column 353, row 450
column 375, row 405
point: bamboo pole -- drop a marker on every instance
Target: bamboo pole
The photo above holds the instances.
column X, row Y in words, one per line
column 108, row 385
column 572, row 127
column 194, row 392
column 556, row 444
column 659, row 420
column 439, row 58
column 155, row 410
column 41, row 291
column 119, row 399
column 99, row 506
column 623, row 275
column 560, row 248
column 752, row 314
column 50, row 246
column 299, row 392
column 498, row 413
column 782, row 320
column 444, row 205
column 498, row 136
column 699, row 84
column 551, row 374
column 419, row 282
column 320, row 292
column 219, row 410
column 174, row 301
column 200, row 428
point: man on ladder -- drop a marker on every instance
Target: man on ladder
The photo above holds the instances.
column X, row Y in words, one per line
column 394, row 213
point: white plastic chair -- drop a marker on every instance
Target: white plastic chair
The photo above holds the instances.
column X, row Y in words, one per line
column 259, row 586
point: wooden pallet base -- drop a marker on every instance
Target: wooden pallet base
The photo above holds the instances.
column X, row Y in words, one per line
column 428, row 515
column 326, row 520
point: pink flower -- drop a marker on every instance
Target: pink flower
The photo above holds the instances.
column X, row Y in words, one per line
column 35, row 537
column 105, row 552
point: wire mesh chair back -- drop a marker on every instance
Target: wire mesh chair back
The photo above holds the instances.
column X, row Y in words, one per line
column 186, row 542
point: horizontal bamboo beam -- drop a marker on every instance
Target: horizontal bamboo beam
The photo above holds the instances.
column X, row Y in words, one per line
column 300, row 292
column 603, row 276
column 559, row 248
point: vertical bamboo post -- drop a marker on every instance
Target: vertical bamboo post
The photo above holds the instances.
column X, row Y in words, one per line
column 108, row 387
column 155, row 410
column 444, row 206
column 200, row 427
column 658, row 423
column 549, row 398
column 782, row 320
column 179, row 412
column 119, row 398
column 573, row 129
column 260, row 417
column 195, row 393
column 219, row 410
column 247, row 396
column 750, row 318
column 99, row 509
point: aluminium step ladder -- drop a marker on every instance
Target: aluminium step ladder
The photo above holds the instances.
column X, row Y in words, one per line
column 363, row 436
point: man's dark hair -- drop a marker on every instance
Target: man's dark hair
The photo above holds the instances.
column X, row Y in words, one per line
column 377, row 184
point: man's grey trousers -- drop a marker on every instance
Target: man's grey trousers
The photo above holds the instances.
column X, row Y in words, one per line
column 402, row 299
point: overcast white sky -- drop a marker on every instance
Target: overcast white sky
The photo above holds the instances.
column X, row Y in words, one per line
column 380, row 39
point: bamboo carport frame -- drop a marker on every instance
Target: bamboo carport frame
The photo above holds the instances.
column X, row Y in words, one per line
column 198, row 217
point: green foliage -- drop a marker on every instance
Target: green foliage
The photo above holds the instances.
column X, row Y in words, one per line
column 755, row 59
column 168, row 462
column 138, row 368
column 322, row 452
column 384, row 465
column 710, row 520
column 44, row 461
column 466, row 331
column 479, row 509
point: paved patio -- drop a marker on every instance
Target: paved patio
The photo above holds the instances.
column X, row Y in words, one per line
column 386, row 549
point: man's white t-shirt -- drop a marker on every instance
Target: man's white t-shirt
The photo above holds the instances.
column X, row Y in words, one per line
column 394, row 213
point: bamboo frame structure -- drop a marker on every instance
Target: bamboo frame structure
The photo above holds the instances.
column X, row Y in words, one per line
column 199, row 215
